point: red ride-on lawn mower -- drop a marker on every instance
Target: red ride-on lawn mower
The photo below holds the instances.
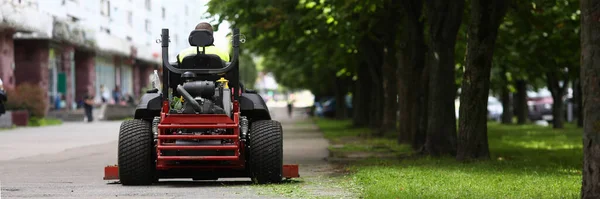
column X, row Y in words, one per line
column 219, row 129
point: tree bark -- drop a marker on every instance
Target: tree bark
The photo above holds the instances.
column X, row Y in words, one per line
column 390, row 90
column 505, row 98
column 590, row 86
column 373, row 53
column 340, row 98
column 376, row 103
column 444, row 19
column 520, row 102
column 486, row 17
column 361, row 95
column 411, row 59
column 578, row 106
column 557, row 91
column 421, row 109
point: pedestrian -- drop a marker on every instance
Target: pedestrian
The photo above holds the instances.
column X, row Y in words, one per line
column 104, row 94
column 3, row 98
column 88, row 105
column 290, row 106
column 117, row 94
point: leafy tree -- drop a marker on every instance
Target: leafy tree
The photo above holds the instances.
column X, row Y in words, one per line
column 444, row 19
column 590, row 70
column 486, row 17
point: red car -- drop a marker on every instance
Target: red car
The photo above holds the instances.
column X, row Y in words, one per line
column 540, row 108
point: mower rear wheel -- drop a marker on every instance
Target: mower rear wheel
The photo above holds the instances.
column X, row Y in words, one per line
column 136, row 153
column 266, row 151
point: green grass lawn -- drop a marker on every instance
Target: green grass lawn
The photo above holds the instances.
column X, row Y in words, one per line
column 526, row 162
column 43, row 121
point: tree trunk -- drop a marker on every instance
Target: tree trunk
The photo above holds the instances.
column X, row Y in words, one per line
column 373, row 53
column 390, row 91
column 411, row 59
column 361, row 100
column 376, row 105
column 444, row 20
column 421, row 109
column 340, row 98
column 557, row 91
column 486, row 16
column 590, row 86
column 520, row 102
column 505, row 98
column 577, row 102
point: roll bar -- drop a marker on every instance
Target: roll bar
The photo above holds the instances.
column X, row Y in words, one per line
column 228, row 66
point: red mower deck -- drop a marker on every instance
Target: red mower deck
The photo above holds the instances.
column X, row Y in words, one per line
column 289, row 171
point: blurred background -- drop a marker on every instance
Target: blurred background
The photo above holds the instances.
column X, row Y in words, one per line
column 59, row 51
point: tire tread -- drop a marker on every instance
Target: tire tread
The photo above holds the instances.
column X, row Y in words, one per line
column 135, row 153
column 266, row 151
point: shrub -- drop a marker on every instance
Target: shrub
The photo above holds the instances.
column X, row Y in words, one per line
column 27, row 97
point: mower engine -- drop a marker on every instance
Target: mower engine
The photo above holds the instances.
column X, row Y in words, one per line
column 208, row 98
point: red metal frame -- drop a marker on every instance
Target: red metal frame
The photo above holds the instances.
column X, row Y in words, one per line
column 205, row 121
column 187, row 121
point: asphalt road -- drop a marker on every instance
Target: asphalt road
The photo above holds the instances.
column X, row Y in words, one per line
column 67, row 161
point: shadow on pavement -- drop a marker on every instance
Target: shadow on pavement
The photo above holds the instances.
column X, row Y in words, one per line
column 209, row 183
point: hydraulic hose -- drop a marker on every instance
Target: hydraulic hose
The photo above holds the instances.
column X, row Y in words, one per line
column 189, row 98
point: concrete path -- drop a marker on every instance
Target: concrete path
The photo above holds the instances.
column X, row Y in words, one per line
column 67, row 162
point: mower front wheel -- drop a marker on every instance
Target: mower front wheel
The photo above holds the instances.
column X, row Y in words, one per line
column 136, row 153
column 266, row 151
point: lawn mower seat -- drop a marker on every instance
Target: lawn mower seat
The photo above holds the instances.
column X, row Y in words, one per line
column 201, row 39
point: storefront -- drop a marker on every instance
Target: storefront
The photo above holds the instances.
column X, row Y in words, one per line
column 126, row 80
column 105, row 77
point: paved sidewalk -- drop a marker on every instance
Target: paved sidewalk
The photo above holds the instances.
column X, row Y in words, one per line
column 67, row 162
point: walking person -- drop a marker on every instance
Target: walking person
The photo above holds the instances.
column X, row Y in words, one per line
column 290, row 106
column 88, row 105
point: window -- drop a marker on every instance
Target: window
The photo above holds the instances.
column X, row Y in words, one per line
column 105, row 8
column 147, row 26
column 130, row 18
column 104, row 29
column 163, row 12
column 148, row 5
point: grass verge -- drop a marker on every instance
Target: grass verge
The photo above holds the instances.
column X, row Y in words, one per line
column 288, row 189
column 43, row 121
column 526, row 162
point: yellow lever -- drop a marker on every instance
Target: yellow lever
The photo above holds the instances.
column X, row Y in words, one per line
column 224, row 82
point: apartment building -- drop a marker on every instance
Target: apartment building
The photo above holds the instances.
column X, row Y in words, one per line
column 72, row 47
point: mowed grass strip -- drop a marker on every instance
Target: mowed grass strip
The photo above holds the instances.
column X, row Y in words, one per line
column 526, row 162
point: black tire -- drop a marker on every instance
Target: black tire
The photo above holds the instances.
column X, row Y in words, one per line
column 136, row 153
column 266, row 151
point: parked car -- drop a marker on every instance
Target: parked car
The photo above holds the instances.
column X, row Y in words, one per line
column 495, row 109
column 540, row 108
column 326, row 107
column 329, row 108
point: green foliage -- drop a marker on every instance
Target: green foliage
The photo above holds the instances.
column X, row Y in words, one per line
column 304, row 43
column 538, row 37
column 34, row 121
column 527, row 162
column 28, row 97
column 248, row 72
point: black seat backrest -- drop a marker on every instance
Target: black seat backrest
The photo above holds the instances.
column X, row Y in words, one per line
column 204, row 61
column 200, row 39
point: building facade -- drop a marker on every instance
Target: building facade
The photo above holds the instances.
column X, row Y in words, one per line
column 72, row 48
